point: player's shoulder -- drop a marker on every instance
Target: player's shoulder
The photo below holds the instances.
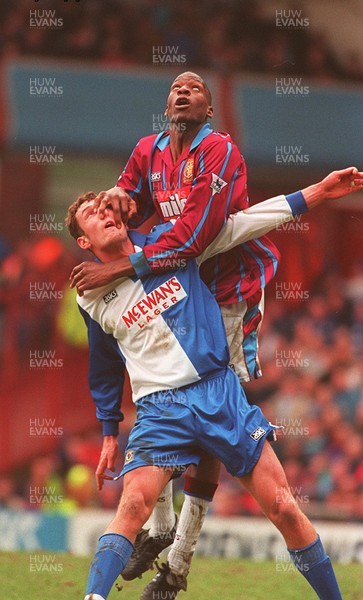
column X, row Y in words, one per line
column 217, row 139
column 220, row 141
column 147, row 142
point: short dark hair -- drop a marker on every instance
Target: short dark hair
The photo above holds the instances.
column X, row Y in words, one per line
column 71, row 219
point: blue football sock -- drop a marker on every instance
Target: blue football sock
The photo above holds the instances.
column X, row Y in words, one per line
column 315, row 565
column 112, row 554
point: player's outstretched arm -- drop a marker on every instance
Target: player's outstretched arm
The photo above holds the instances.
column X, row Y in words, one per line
column 265, row 216
column 340, row 183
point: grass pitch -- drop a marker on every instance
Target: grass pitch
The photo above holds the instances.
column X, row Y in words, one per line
column 46, row 576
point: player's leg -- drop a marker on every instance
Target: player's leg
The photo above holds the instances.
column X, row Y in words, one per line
column 158, row 534
column 242, row 323
column 267, row 483
column 200, row 484
column 142, row 487
column 199, row 488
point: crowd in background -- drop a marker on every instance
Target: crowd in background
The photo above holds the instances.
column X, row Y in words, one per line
column 312, row 355
column 312, row 385
column 226, row 36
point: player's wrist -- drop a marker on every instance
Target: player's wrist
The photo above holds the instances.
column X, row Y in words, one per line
column 314, row 194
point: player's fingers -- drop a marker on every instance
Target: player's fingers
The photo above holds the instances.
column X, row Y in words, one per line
column 132, row 208
column 100, row 478
column 356, row 179
column 118, row 212
column 124, row 206
column 100, row 203
column 111, row 463
column 76, row 276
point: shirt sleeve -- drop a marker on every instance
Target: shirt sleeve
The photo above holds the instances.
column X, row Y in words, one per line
column 255, row 222
column 218, row 190
column 106, row 375
column 135, row 183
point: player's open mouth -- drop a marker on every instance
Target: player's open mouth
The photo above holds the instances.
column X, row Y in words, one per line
column 182, row 102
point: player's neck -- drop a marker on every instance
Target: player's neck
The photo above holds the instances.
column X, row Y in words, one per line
column 115, row 251
column 181, row 136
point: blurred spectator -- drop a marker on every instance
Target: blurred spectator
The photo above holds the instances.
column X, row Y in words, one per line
column 227, row 36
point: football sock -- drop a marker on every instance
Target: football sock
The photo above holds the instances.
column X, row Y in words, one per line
column 112, row 554
column 190, row 523
column 314, row 564
column 163, row 516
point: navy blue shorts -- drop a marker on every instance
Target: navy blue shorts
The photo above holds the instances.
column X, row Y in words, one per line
column 213, row 414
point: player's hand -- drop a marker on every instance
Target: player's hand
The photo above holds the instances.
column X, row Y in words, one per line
column 343, row 182
column 89, row 275
column 123, row 206
column 107, row 460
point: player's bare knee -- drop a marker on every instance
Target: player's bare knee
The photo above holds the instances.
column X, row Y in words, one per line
column 284, row 509
column 134, row 507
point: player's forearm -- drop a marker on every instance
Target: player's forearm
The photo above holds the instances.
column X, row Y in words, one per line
column 121, row 267
column 314, row 195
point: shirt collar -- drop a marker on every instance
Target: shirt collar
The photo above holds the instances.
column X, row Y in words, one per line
column 202, row 133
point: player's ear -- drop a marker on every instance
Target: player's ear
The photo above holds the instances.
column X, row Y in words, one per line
column 210, row 112
column 166, row 112
column 83, row 242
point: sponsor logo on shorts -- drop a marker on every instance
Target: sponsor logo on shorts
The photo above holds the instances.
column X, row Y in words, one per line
column 217, row 184
column 130, row 455
column 110, row 296
column 154, row 303
column 257, row 434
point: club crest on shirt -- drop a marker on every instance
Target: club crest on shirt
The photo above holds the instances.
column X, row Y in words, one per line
column 257, row 434
column 188, row 171
column 156, row 176
column 217, row 184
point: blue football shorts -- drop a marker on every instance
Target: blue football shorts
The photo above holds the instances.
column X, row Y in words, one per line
column 213, row 414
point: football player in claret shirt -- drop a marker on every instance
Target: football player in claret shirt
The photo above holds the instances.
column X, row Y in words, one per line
column 187, row 397
column 194, row 177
